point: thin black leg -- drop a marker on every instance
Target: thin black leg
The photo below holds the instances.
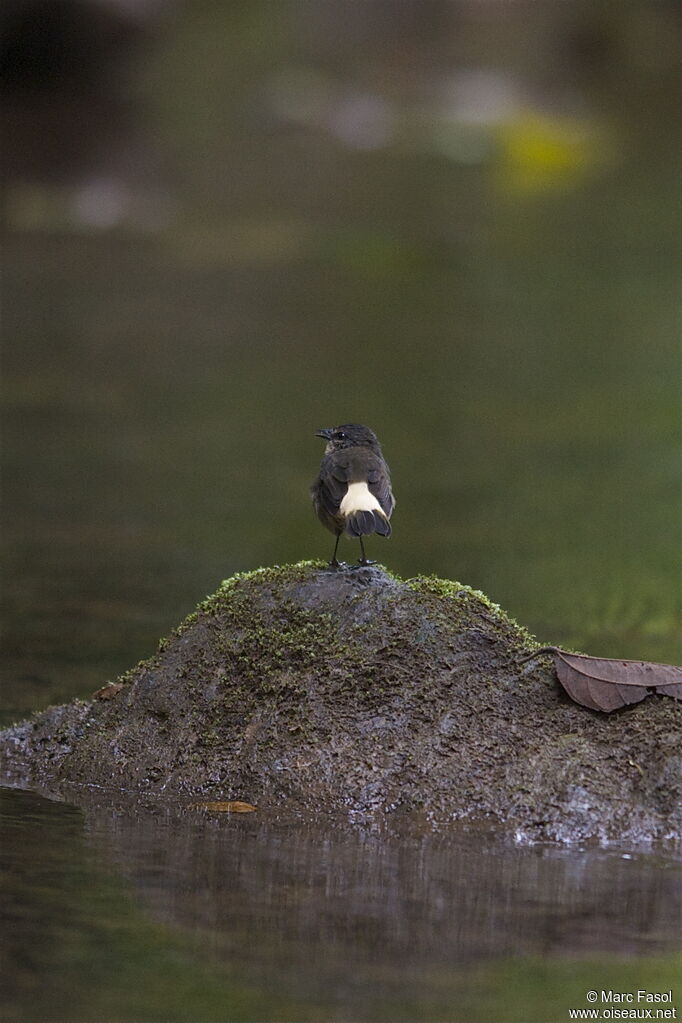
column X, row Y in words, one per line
column 334, row 563
column 364, row 560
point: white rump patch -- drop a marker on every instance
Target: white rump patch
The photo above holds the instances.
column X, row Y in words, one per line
column 359, row 498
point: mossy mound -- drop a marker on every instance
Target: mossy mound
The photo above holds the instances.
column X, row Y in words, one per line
column 352, row 690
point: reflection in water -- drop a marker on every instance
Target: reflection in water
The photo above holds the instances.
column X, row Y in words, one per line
column 314, row 914
column 451, row 896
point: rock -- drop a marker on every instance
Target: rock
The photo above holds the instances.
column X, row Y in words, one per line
column 350, row 690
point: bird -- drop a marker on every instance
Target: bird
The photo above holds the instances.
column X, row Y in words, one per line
column 352, row 493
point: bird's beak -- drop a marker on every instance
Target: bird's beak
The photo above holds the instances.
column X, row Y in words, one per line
column 327, row 434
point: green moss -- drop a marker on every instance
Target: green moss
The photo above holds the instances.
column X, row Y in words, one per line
column 301, row 638
column 290, row 637
column 440, row 587
column 284, row 575
column 222, row 598
column 261, row 646
column 132, row 674
column 452, row 591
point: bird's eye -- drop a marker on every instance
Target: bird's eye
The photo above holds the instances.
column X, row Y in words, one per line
column 339, row 435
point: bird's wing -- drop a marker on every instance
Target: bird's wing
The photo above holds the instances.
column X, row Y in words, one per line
column 379, row 483
column 333, row 484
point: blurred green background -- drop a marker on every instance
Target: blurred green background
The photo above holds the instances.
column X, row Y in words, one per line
column 229, row 224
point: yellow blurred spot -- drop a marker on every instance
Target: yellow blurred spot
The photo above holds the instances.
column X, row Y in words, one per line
column 541, row 153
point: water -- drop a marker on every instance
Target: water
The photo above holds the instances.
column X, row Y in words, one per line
column 169, row 913
column 460, row 227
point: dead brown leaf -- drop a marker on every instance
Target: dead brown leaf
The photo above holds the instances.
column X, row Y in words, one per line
column 109, row 691
column 607, row 684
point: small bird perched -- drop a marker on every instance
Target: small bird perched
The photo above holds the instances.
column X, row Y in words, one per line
column 352, row 493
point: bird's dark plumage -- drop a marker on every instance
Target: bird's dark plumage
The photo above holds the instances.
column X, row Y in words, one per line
column 352, row 492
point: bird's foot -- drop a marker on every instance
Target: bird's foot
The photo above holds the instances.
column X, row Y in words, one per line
column 337, row 564
column 365, row 561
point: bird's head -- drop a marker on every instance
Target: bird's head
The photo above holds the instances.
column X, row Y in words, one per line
column 351, row 435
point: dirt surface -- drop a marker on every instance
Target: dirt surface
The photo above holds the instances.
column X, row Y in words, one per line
column 353, row 691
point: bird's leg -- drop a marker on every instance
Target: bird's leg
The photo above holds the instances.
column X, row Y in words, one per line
column 364, row 560
column 334, row 563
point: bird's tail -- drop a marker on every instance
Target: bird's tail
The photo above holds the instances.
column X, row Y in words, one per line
column 362, row 523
